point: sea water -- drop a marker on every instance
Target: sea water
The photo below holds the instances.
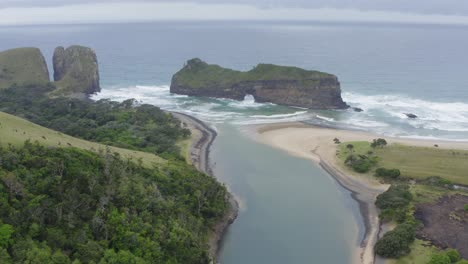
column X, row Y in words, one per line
column 291, row 211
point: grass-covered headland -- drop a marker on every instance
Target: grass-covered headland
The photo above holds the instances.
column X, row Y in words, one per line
column 125, row 125
column 419, row 177
column 67, row 199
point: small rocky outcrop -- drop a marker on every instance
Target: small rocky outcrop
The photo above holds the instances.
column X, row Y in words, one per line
column 281, row 85
column 357, row 109
column 22, row 67
column 76, row 70
column 411, row 116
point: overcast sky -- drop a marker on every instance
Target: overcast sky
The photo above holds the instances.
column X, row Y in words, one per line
column 17, row 12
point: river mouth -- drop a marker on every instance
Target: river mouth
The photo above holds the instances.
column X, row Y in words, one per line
column 291, row 211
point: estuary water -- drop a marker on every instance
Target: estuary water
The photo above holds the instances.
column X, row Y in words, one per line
column 291, row 210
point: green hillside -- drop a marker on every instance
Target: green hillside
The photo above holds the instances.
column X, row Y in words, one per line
column 22, row 66
column 72, row 205
column 14, row 130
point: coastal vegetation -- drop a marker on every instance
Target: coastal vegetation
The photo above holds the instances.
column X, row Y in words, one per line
column 397, row 242
column 387, row 173
column 417, row 163
column 14, row 131
column 124, row 125
column 420, row 177
column 60, row 205
column 99, row 182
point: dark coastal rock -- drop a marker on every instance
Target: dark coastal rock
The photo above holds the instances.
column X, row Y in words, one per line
column 22, row 66
column 76, row 70
column 266, row 83
column 412, row 116
column 357, row 109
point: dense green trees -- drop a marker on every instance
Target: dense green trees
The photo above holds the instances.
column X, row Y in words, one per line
column 59, row 205
column 440, row 258
column 453, row 255
column 394, row 205
column 397, row 242
column 380, row 142
column 127, row 125
column 449, row 256
column 397, row 196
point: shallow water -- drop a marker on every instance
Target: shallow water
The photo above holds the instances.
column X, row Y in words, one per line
column 291, row 210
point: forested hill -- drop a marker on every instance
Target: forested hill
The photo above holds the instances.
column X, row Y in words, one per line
column 67, row 204
column 126, row 125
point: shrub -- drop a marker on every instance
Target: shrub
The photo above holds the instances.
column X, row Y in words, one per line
column 440, row 258
column 361, row 163
column 466, row 207
column 380, row 142
column 396, row 243
column 396, row 197
column 453, row 255
column 437, row 181
column 5, row 234
column 388, row 173
column 389, row 214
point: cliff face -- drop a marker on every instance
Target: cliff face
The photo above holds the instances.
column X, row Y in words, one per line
column 76, row 70
column 267, row 83
column 22, row 66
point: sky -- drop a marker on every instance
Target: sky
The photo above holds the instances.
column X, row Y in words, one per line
column 21, row 12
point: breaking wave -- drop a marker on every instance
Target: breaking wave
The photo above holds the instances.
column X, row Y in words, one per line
column 383, row 114
column 430, row 115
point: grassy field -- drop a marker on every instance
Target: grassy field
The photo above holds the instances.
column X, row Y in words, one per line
column 14, row 130
column 416, row 162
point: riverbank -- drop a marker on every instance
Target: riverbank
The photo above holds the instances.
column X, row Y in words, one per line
column 203, row 137
column 316, row 143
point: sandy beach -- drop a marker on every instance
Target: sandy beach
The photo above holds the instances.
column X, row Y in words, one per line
column 316, row 144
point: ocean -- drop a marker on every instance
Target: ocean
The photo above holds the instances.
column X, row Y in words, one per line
column 292, row 211
column 387, row 70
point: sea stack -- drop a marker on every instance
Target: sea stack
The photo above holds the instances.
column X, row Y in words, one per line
column 281, row 85
column 76, row 70
column 22, row 67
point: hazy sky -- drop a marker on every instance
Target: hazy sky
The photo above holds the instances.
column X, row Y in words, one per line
column 16, row 12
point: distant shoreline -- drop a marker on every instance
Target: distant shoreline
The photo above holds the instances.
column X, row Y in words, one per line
column 199, row 155
column 316, row 144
